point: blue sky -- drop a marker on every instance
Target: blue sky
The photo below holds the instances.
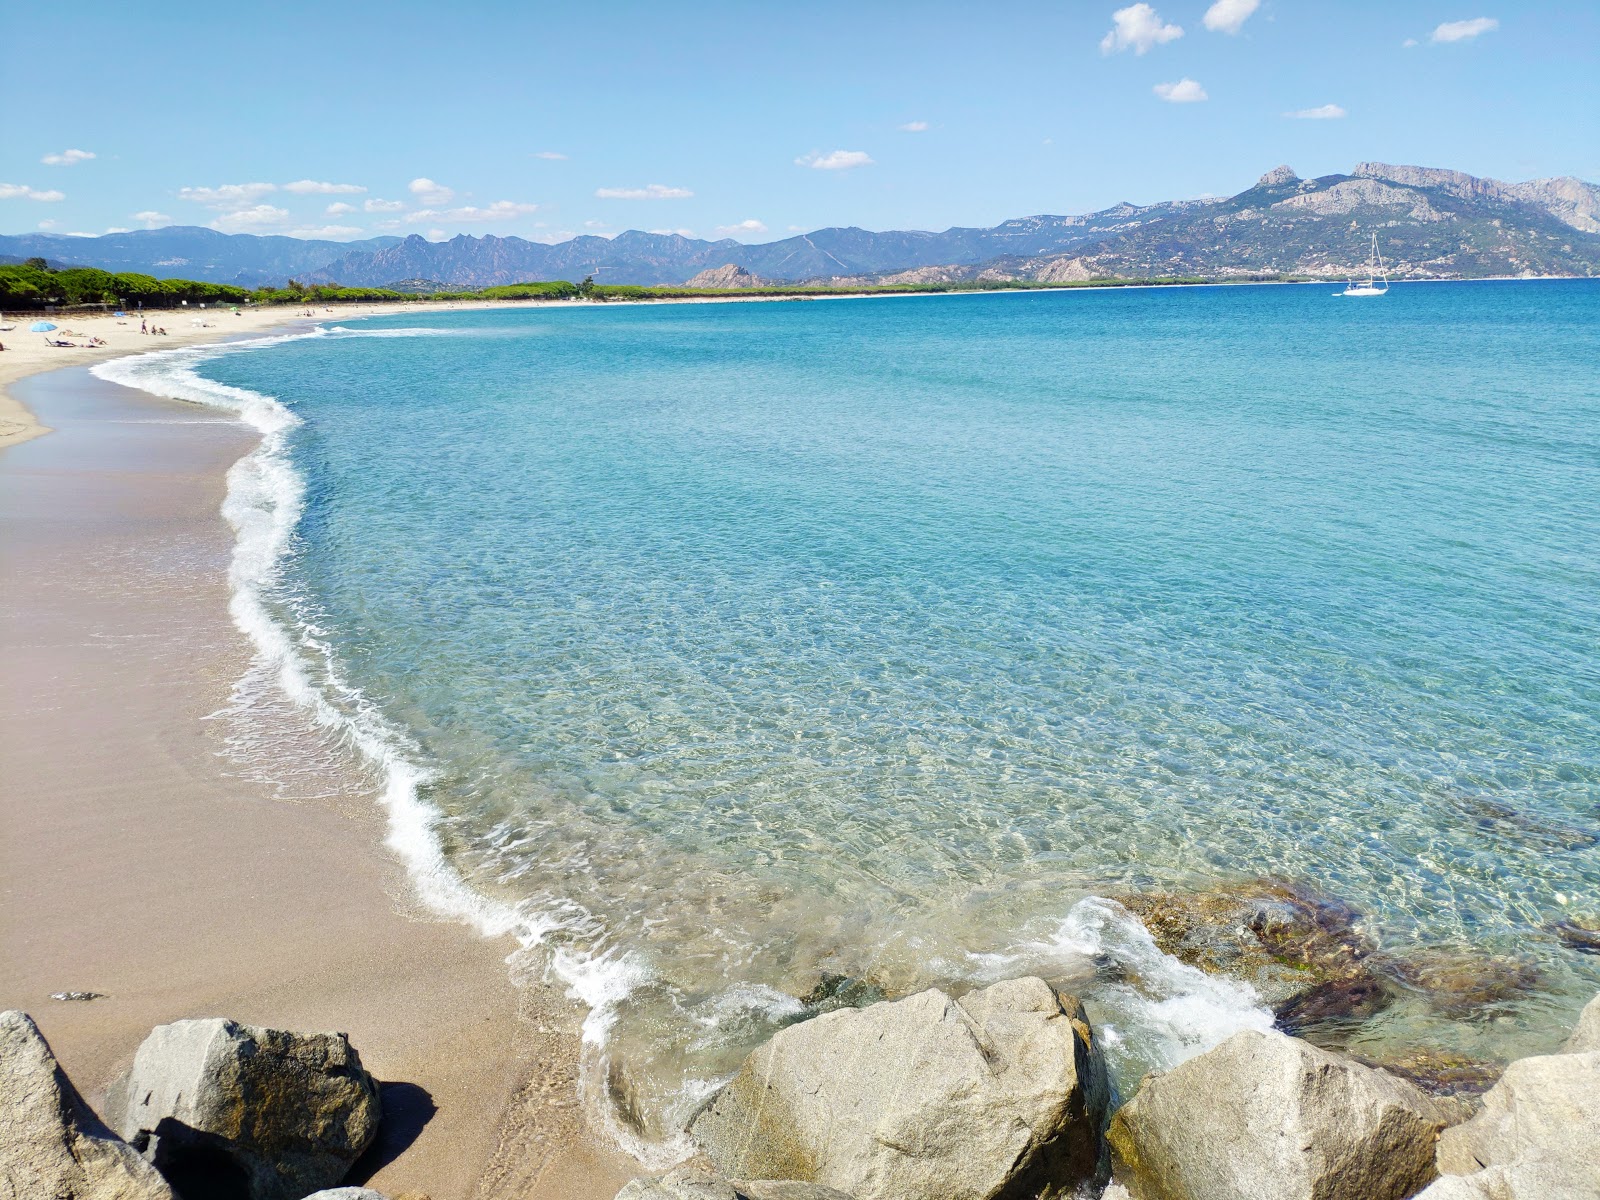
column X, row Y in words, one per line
column 755, row 120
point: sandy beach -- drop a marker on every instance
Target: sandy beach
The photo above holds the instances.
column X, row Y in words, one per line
column 142, row 861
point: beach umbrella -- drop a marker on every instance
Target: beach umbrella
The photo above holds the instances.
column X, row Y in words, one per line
column 40, row 327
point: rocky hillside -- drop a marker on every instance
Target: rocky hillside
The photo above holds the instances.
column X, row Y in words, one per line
column 1431, row 223
column 725, row 277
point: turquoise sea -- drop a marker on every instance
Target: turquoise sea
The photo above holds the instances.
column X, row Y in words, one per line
column 712, row 647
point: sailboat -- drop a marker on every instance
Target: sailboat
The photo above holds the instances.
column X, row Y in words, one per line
column 1377, row 278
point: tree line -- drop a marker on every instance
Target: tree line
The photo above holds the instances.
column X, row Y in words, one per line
column 34, row 284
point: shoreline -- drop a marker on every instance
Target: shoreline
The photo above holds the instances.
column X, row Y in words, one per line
column 118, row 650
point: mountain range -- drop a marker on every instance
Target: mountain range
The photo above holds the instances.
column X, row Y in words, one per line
column 1431, row 224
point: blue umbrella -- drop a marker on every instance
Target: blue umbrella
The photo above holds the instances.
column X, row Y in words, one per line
column 40, row 327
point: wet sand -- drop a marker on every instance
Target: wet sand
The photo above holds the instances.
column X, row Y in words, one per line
column 139, row 860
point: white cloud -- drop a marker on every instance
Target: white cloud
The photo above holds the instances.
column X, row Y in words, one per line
column 1461, row 31
column 245, row 220
column 1185, row 91
column 500, row 210
column 228, row 196
column 1229, row 16
column 310, row 187
column 1138, row 27
column 1323, row 112
column 835, row 160
column 21, row 191
column 914, row 127
column 1408, row 43
column 384, row 206
column 438, row 235
column 552, row 155
column 327, row 233
column 430, row 193
column 596, row 225
column 151, row 218
column 117, row 229
column 67, row 158
column 48, row 223
column 651, row 191
column 339, row 208
column 79, row 233
column 751, row 226
column 688, row 233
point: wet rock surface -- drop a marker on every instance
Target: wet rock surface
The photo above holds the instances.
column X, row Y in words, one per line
column 1442, row 1075
column 1580, row 934
column 1310, row 959
column 1304, row 953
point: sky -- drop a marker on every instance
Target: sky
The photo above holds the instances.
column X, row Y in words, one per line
column 757, row 120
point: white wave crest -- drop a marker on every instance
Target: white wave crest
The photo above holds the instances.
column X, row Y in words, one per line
column 1157, row 1011
column 264, row 503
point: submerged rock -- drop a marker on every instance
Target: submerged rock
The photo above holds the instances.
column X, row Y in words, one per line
column 52, row 1146
column 1000, row 1094
column 1270, row 1117
column 224, row 1108
column 1460, row 983
column 1304, row 953
column 1442, row 1075
column 1580, row 935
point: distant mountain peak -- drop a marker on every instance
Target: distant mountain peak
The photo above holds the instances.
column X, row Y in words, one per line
column 728, row 276
column 1278, row 176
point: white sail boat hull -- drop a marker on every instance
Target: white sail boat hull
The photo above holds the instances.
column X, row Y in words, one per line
column 1377, row 283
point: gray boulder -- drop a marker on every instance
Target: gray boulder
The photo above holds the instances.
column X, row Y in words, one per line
column 51, row 1145
column 224, row 1107
column 1522, row 1181
column 1000, row 1094
column 692, row 1182
column 1586, row 1036
column 1269, row 1117
column 347, row 1193
column 1544, row 1109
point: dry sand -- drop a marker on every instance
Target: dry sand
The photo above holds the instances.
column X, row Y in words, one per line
column 140, row 860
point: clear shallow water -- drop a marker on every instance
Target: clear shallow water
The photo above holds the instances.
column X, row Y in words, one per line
column 733, row 643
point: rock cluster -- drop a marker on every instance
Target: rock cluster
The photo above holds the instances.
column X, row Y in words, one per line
column 210, row 1109
column 1002, row 1094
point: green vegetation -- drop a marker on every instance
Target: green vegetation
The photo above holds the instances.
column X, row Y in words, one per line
column 34, row 285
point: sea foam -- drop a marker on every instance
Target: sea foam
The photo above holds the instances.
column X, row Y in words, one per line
column 264, row 503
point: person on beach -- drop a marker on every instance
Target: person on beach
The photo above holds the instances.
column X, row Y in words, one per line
column 144, row 326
